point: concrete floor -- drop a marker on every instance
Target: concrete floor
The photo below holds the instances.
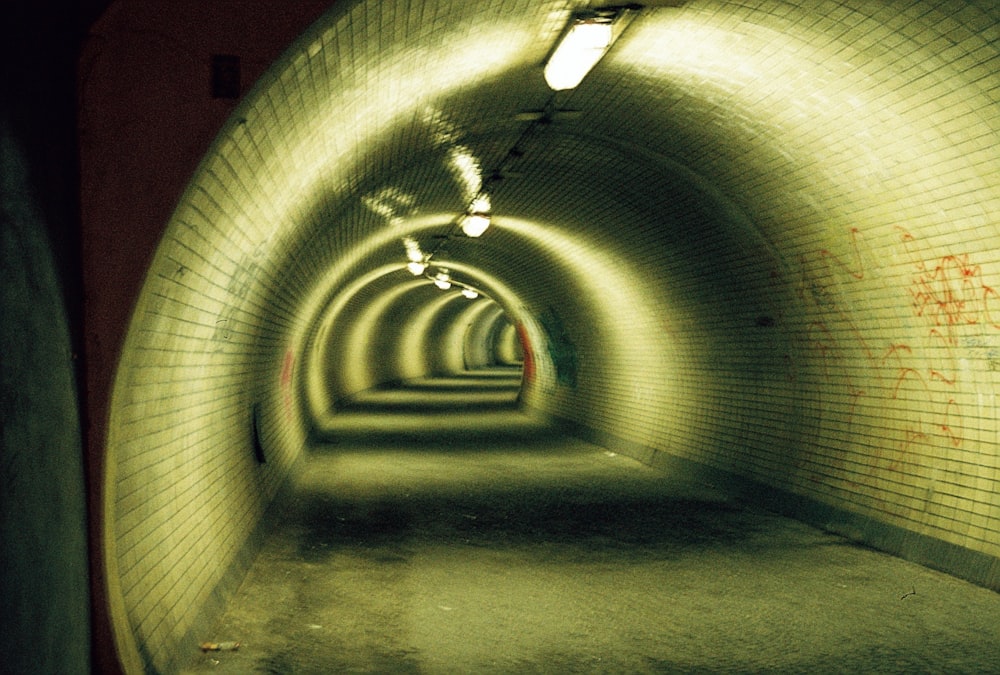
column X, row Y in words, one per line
column 437, row 529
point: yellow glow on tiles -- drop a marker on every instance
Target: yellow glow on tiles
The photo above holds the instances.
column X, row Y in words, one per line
column 355, row 374
column 794, row 86
column 466, row 169
column 413, row 252
column 413, row 342
column 324, row 154
column 614, row 304
column 317, row 390
column 455, row 339
column 389, row 202
column 577, row 53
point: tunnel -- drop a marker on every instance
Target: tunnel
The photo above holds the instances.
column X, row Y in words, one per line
column 756, row 246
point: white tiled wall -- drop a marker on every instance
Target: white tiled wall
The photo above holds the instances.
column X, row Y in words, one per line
column 768, row 246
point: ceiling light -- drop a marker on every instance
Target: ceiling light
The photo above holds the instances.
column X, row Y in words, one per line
column 581, row 47
column 413, row 252
column 477, row 218
column 474, row 224
column 481, row 204
column 416, row 267
column 469, row 293
column 442, row 280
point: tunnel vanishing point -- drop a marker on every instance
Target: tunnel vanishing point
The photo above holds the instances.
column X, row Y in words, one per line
column 757, row 244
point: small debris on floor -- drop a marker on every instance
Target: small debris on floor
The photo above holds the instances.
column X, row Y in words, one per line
column 220, row 646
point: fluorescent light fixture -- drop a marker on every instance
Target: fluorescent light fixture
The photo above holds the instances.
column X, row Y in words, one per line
column 465, row 168
column 474, row 224
column 579, row 50
column 413, row 252
column 481, row 204
column 416, row 267
column 477, row 219
column 469, row 293
column 442, row 280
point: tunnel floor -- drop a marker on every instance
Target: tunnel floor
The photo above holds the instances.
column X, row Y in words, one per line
column 436, row 528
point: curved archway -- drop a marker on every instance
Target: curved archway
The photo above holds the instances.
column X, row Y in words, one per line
column 761, row 247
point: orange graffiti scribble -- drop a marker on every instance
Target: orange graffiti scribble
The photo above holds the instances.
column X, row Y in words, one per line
column 286, row 369
column 817, row 290
column 855, row 395
column 860, row 273
column 908, row 240
column 903, row 374
column 937, row 375
column 935, row 333
column 956, row 438
column 990, row 295
column 953, row 293
column 910, row 437
column 894, row 350
column 823, row 344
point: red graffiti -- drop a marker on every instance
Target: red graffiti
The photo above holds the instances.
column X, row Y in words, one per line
column 923, row 383
column 950, row 291
column 905, row 373
column 942, row 414
column 911, row 436
column 813, row 288
column 936, row 375
column 287, row 368
column 833, row 263
column 947, row 294
column 855, row 394
column 859, row 272
column 831, row 349
column 528, row 369
column 895, row 350
column 954, row 435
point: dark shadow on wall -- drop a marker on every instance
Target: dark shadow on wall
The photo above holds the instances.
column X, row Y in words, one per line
column 45, row 624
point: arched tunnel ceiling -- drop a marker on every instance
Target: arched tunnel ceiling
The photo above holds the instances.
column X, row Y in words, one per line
column 783, row 112
column 727, row 166
column 589, row 172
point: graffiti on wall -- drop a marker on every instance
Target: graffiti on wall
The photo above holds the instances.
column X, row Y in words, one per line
column 240, row 285
column 528, row 367
column 949, row 292
column 560, row 346
column 916, row 381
